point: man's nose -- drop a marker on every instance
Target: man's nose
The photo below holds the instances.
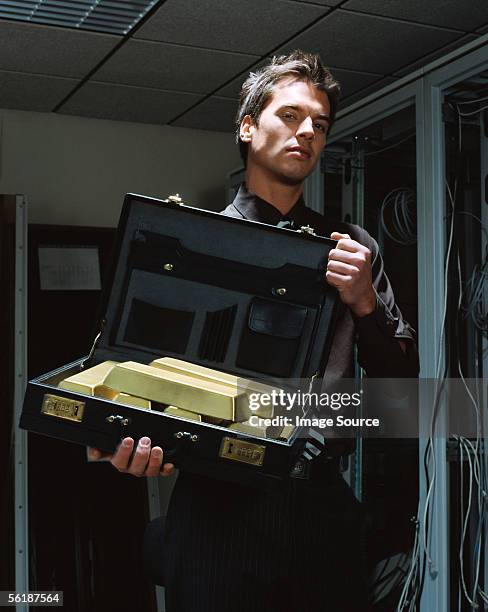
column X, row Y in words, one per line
column 305, row 129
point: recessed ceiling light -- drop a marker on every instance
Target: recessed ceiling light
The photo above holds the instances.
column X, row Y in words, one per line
column 110, row 16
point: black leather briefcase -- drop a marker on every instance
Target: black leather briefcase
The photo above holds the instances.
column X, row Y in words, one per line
column 234, row 295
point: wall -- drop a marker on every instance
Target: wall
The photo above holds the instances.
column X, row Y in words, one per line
column 75, row 171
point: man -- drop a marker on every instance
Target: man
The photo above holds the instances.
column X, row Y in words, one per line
column 229, row 547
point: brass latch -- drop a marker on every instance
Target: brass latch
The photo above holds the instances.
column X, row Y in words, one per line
column 174, row 199
column 306, row 229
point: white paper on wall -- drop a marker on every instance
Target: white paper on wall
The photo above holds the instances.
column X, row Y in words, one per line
column 69, row 268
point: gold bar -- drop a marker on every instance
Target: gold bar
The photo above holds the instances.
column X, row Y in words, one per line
column 185, row 414
column 191, row 393
column 170, row 364
column 91, row 381
column 132, row 400
column 104, row 392
column 216, row 421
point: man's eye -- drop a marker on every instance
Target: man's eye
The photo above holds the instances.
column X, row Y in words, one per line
column 289, row 116
column 321, row 127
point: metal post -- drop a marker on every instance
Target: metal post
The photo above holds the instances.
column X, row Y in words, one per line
column 20, row 456
column 484, row 340
column 347, row 191
column 357, row 164
column 353, row 205
column 426, row 85
column 431, row 288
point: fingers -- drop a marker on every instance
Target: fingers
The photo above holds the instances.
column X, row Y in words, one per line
column 168, row 469
column 338, row 236
column 140, row 458
column 344, row 241
column 346, row 244
column 143, row 461
column 341, row 267
column 337, row 280
column 349, row 271
column 122, row 455
column 154, row 464
column 353, row 258
column 95, row 454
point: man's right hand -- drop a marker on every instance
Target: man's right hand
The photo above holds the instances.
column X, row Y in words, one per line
column 146, row 461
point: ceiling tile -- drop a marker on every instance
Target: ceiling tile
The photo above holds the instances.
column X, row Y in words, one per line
column 252, row 26
column 173, row 67
column 365, row 91
column 32, row 91
column 436, row 54
column 322, row 2
column 123, row 103
column 448, row 13
column 233, row 89
column 369, row 44
column 51, row 51
column 105, row 16
column 218, row 113
column 214, row 113
column 352, row 81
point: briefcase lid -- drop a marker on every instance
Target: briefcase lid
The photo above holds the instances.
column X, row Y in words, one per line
column 230, row 294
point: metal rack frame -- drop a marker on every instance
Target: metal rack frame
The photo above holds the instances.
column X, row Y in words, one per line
column 20, row 357
column 425, row 88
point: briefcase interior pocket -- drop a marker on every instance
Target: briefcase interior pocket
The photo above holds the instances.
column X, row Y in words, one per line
column 157, row 327
column 175, row 316
column 216, row 334
column 270, row 341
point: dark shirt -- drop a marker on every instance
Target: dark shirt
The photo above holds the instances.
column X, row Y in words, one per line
column 376, row 334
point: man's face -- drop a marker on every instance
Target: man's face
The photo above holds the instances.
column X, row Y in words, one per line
column 291, row 132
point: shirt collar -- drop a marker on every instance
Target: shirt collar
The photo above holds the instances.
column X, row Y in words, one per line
column 255, row 208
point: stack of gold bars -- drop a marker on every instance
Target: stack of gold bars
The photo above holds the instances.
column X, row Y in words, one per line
column 185, row 390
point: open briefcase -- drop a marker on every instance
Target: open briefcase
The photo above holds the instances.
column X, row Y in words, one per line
column 195, row 293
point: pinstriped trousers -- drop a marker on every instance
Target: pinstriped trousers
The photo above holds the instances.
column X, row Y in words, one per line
column 229, row 548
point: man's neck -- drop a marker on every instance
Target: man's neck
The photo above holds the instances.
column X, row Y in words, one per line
column 278, row 194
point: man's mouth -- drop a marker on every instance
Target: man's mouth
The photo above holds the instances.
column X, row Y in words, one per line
column 299, row 152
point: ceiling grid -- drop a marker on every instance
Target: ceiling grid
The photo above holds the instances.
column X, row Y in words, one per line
column 183, row 63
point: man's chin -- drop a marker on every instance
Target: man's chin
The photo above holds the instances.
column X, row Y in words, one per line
column 294, row 177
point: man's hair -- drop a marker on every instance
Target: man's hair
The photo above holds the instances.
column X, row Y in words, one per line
column 258, row 87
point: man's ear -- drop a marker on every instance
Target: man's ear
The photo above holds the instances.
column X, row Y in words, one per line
column 247, row 129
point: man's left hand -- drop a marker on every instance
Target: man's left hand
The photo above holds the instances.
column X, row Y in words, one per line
column 349, row 271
